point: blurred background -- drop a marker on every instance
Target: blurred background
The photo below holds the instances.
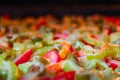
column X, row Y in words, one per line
column 58, row 8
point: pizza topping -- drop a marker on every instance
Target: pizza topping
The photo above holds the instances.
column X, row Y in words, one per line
column 73, row 48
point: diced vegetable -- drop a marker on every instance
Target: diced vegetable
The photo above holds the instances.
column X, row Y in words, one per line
column 107, row 51
column 52, row 56
column 24, row 57
column 46, row 78
column 114, row 36
column 8, row 70
column 68, row 64
column 60, row 36
column 93, row 41
column 43, row 50
column 71, row 48
column 57, row 67
column 25, row 66
column 65, row 50
column 66, row 75
column 112, row 63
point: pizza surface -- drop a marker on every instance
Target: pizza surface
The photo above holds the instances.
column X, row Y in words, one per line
column 71, row 48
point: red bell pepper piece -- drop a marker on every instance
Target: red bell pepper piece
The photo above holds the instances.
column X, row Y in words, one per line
column 107, row 60
column 80, row 53
column 66, row 76
column 60, row 36
column 52, row 56
column 46, row 78
column 24, row 57
column 112, row 63
column 114, row 20
column 72, row 50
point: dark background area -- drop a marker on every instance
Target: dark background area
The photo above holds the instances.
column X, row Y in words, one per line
column 37, row 2
column 24, row 8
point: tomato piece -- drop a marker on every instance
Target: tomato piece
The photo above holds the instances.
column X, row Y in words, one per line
column 52, row 56
column 24, row 57
column 66, row 76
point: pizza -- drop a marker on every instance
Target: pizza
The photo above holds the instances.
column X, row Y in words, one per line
column 70, row 48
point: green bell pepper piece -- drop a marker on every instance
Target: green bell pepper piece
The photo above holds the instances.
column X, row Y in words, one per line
column 70, row 64
column 25, row 66
column 114, row 36
column 103, row 69
column 48, row 37
column 2, row 56
column 108, row 51
column 78, row 45
column 8, row 70
column 82, row 76
column 93, row 41
column 43, row 50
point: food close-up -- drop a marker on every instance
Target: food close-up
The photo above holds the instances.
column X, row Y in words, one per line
column 74, row 47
